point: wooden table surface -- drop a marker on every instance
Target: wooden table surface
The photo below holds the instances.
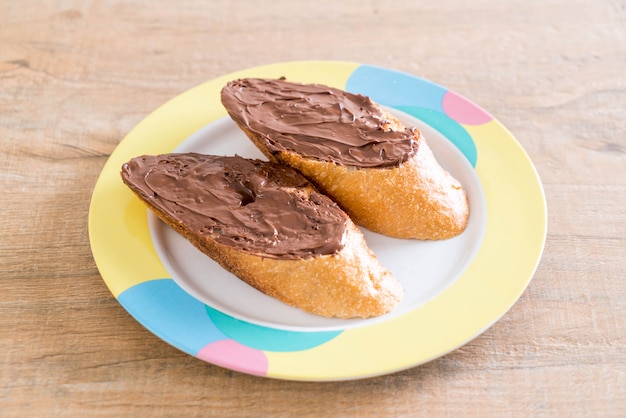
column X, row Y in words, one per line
column 76, row 76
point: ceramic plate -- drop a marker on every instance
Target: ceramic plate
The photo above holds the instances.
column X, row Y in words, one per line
column 454, row 289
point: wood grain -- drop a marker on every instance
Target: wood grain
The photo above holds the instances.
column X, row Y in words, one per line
column 76, row 76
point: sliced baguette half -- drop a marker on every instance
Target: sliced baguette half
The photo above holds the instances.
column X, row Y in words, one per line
column 382, row 174
column 235, row 211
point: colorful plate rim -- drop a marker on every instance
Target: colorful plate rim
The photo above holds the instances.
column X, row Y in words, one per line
column 500, row 272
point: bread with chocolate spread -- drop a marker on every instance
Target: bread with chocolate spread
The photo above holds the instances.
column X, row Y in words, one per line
column 269, row 226
column 382, row 174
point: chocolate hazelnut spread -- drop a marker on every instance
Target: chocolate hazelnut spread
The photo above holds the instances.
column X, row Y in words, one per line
column 317, row 122
column 252, row 205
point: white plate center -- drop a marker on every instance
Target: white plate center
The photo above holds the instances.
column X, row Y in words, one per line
column 425, row 268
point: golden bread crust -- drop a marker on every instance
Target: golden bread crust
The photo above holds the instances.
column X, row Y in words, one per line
column 349, row 284
column 415, row 200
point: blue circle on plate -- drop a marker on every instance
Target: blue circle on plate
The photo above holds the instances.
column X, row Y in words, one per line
column 265, row 338
column 177, row 317
column 171, row 313
column 393, row 88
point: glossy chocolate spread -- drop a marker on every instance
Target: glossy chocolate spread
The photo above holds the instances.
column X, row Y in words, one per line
column 317, row 122
column 240, row 203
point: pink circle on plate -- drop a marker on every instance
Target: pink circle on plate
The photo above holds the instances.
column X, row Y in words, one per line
column 235, row 356
column 463, row 111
